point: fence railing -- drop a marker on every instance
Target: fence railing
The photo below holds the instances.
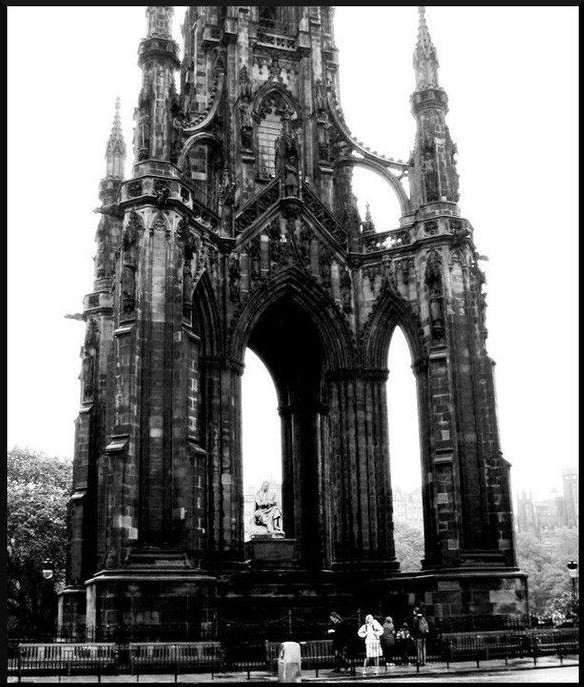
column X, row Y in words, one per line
column 140, row 658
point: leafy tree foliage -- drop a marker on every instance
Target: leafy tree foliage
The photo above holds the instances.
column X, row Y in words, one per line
column 37, row 488
column 544, row 559
column 409, row 547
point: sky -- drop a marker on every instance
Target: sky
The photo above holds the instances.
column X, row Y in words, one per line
column 511, row 77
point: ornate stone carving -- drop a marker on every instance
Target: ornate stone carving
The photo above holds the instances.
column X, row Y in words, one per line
column 275, row 242
column 142, row 136
column 431, row 227
column 135, row 189
column 244, row 106
column 88, row 374
column 234, row 279
column 254, row 253
column 346, row 290
column 305, row 241
column 435, row 296
column 128, row 289
column 324, row 260
column 288, row 156
column 162, row 191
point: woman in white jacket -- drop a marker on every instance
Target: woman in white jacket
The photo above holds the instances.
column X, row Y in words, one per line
column 371, row 631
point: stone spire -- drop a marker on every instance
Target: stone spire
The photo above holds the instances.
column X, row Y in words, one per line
column 159, row 21
column 368, row 226
column 115, row 154
column 435, row 178
column 425, row 57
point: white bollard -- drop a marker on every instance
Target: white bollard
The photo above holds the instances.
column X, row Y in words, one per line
column 289, row 663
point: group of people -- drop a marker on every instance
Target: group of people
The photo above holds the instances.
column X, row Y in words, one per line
column 382, row 640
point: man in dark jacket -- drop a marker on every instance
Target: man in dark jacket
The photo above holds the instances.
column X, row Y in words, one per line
column 420, row 634
column 339, row 632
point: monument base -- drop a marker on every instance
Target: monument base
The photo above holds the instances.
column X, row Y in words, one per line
column 157, row 597
column 264, row 550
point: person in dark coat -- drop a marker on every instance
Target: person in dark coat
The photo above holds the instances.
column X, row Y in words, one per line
column 388, row 640
column 420, row 635
column 340, row 633
column 403, row 640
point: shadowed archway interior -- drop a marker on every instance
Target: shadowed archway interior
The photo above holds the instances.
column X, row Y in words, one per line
column 288, row 343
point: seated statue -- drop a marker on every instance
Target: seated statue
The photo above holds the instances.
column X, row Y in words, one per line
column 267, row 513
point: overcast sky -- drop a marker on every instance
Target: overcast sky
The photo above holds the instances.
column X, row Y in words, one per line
column 510, row 74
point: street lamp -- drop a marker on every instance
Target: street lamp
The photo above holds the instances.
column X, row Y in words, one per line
column 48, row 569
column 573, row 573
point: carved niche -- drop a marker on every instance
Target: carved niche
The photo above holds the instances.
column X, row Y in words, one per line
column 435, row 297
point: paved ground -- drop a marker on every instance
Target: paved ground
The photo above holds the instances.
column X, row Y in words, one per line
column 532, row 675
column 519, row 670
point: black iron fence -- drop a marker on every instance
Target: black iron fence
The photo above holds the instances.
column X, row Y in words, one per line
column 248, row 655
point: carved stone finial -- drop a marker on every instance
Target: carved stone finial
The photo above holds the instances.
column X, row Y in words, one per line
column 115, row 154
column 425, row 56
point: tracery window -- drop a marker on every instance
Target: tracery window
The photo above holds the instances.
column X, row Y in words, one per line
column 268, row 131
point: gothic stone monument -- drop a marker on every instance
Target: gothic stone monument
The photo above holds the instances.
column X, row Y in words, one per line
column 238, row 227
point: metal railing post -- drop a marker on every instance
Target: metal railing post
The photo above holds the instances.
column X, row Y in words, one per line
column 19, row 665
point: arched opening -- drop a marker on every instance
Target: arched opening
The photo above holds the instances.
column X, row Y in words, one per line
column 204, row 166
column 373, row 190
column 404, row 452
column 260, row 437
column 289, row 345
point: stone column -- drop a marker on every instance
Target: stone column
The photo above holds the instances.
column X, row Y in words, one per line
column 363, row 527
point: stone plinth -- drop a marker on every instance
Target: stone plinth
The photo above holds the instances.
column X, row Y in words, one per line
column 269, row 551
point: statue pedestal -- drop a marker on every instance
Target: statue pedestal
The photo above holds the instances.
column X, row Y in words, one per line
column 264, row 550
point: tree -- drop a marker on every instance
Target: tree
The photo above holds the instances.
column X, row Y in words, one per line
column 544, row 559
column 409, row 547
column 37, row 488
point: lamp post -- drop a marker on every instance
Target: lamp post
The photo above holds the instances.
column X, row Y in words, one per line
column 47, row 571
column 573, row 573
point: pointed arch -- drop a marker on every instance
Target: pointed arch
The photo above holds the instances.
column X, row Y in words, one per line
column 384, row 173
column 274, row 88
column 389, row 311
column 203, row 137
column 307, row 294
column 159, row 223
column 206, row 322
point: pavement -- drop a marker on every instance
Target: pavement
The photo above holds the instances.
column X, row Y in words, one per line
column 547, row 669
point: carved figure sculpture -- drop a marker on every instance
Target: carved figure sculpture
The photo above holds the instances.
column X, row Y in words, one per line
column 267, row 513
column 128, row 289
column 88, row 374
column 143, row 136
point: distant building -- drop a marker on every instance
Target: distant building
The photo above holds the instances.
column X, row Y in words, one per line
column 547, row 515
column 407, row 508
column 570, row 483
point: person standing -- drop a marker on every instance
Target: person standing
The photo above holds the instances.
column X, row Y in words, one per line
column 403, row 640
column 371, row 631
column 339, row 632
column 420, row 634
column 388, row 640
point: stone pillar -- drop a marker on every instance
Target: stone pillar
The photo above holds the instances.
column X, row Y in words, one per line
column 221, row 429
column 363, row 526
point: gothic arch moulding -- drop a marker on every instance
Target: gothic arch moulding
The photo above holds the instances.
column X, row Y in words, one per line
column 338, row 342
column 384, row 173
column 199, row 138
column 275, row 90
column 389, row 312
column 206, row 322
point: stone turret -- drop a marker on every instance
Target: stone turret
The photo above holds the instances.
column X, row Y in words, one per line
column 434, row 178
column 155, row 129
